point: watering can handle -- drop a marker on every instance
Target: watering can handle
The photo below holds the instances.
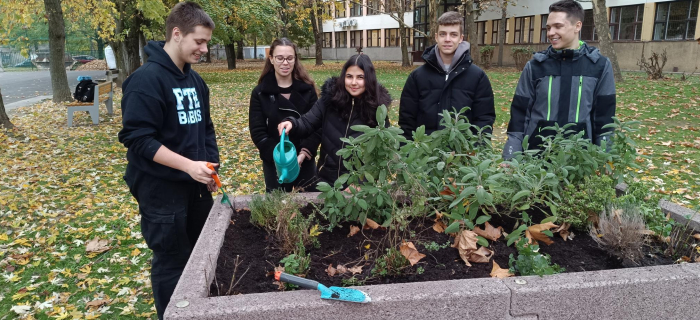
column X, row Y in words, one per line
column 283, row 137
column 214, row 175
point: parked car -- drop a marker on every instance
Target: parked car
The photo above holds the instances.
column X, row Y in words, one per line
column 83, row 58
column 27, row 63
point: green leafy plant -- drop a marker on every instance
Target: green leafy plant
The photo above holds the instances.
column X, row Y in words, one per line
column 588, row 199
column 392, row 263
column 530, row 262
column 296, row 263
column 638, row 194
column 486, row 54
column 353, row 281
column 521, row 55
column 434, row 246
column 278, row 213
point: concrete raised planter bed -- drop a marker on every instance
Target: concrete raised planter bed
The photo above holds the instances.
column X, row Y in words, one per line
column 662, row 292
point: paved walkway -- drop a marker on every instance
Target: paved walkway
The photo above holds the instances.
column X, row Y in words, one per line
column 25, row 88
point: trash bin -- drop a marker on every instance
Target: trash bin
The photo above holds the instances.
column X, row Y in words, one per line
column 109, row 56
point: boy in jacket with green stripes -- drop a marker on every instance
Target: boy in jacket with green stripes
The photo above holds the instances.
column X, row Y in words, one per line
column 570, row 82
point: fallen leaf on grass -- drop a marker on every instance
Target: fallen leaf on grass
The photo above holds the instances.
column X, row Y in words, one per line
column 498, row 272
column 96, row 303
column 97, row 245
column 330, row 270
column 409, row 251
column 353, row 230
column 535, row 232
column 489, row 232
column 370, row 224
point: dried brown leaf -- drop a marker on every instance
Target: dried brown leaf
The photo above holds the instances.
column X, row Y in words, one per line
column 465, row 242
column 355, row 269
column 370, row 224
column 564, row 230
column 330, row 270
column 409, row 251
column 696, row 236
column 536, row 232
column 341, row 269
column 498, row 272
column 353, row 230
column 489, row 232
column 96, row 303
column 97, row 245
column 483, row 255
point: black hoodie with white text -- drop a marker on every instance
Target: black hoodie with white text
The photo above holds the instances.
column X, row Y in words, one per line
column 163, row 106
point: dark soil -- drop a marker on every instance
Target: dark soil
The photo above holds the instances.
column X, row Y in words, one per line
column 258, row 256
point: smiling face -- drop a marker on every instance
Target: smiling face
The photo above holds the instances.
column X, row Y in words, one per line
column 355, row 81
column 448, row 38
column 284, row 53
column 192, row 46
column 562, row 32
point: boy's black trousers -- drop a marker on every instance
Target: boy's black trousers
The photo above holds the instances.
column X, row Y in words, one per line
column 172, row 217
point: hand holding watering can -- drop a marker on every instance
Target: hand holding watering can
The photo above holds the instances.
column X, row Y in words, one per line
column 285, row 155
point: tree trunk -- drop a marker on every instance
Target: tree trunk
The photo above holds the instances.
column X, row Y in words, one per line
column 405, row 59
column 208, row 55
column 230, row 55
column 502, row 33
column 239, row 49
column 4, row 119
column 316, row 25
column 432, row 22
column 57, row 51
column 471, row 30
column 142, row 44
column 600, row 18
column 255, row 46
column 284, row 18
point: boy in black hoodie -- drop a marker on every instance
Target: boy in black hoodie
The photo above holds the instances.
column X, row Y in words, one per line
column 170, row 137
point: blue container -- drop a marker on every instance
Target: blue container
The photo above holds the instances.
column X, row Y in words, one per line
column 285, row 156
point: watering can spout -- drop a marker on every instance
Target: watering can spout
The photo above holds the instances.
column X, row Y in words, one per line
column 283, row 176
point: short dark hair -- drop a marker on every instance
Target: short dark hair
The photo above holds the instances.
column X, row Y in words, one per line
column 573, row 10
column 186, row 16
column 451, row 18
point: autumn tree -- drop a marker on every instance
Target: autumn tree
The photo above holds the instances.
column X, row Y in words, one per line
column 600, row 19
column 4, row 119
column 19, row 14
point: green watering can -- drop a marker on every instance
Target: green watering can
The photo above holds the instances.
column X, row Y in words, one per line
column 285, row 156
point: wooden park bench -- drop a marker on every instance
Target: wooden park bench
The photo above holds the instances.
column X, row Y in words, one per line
column 103, row 93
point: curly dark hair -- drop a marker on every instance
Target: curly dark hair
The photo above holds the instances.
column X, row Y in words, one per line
column 367, row 104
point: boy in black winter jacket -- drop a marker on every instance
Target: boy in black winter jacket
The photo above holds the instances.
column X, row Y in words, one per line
column 170, row 137
column 448, row 80
column 570, row 82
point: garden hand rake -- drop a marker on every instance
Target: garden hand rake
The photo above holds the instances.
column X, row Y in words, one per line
column 215, row 176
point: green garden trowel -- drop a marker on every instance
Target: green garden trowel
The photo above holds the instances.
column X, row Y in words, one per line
column 332, row 293
column 215, row 176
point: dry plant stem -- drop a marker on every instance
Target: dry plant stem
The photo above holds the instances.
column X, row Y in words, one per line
column 233, row 277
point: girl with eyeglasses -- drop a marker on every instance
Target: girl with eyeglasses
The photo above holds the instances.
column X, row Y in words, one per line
column 348, row 100
column 284, row 90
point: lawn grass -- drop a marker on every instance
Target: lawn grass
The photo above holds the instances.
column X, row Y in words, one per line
column 61, row 187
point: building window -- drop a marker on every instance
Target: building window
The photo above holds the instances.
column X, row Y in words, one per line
column 494, row 31
column 531, row 30
column 480, row 32
column 676, row 20
column 341, row 39
column 327, row 40
column 355, row 39
column 340, row 9
column 373, row 7
column 327, row 9
column 588, row 31
column 543, row 29
column 355, row 9
column 420, row 15
column 626, row 22
column 524, row 29
column 374, row 38
column 519, row 26
column 391, row 38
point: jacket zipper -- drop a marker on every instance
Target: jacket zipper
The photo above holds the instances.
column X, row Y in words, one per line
column 549, row 98
column 578, row 104
column 297, row 112
column 447, row 75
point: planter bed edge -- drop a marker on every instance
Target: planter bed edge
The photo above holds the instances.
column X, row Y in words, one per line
column 660, row 292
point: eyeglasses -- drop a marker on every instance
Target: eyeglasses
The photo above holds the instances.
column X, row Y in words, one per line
column 280, row 59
